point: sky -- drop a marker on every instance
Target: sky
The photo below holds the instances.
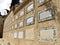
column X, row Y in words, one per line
column 4, row 4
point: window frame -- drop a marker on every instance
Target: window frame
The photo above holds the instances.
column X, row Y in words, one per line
column 51, row 10
column 12, row 19
column 22, row 24
column 23, row 12
column 12, row 27
column 31, row 23
column 21, row 36
column 30, row 16
column 16, row 17
column 16, row 26
column 29, row 6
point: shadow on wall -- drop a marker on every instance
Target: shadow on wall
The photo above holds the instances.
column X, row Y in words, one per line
column 2, row 18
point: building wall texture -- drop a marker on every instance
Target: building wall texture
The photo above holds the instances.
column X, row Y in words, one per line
column 34, row 22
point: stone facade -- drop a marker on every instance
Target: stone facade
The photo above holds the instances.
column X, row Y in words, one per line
column 34, row 22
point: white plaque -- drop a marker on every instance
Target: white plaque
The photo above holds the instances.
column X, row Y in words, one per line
column 47, row 34
column 29, row 34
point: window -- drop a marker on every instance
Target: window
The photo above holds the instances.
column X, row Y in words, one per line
column 12, row 19
column 16, row 17
column 30, row 20
column 16, row 25
column 21, row 24
column 20, row 34
column 22, row 12
column 12, row 27
column 15, row 35
column 40, row 2
column 46, row 15
column 30, row 7
column 47, row 34
column 29, row 34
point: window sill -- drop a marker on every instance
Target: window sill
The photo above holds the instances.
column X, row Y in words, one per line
column 46, row 20
column 44, row 3
column 30, row 24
